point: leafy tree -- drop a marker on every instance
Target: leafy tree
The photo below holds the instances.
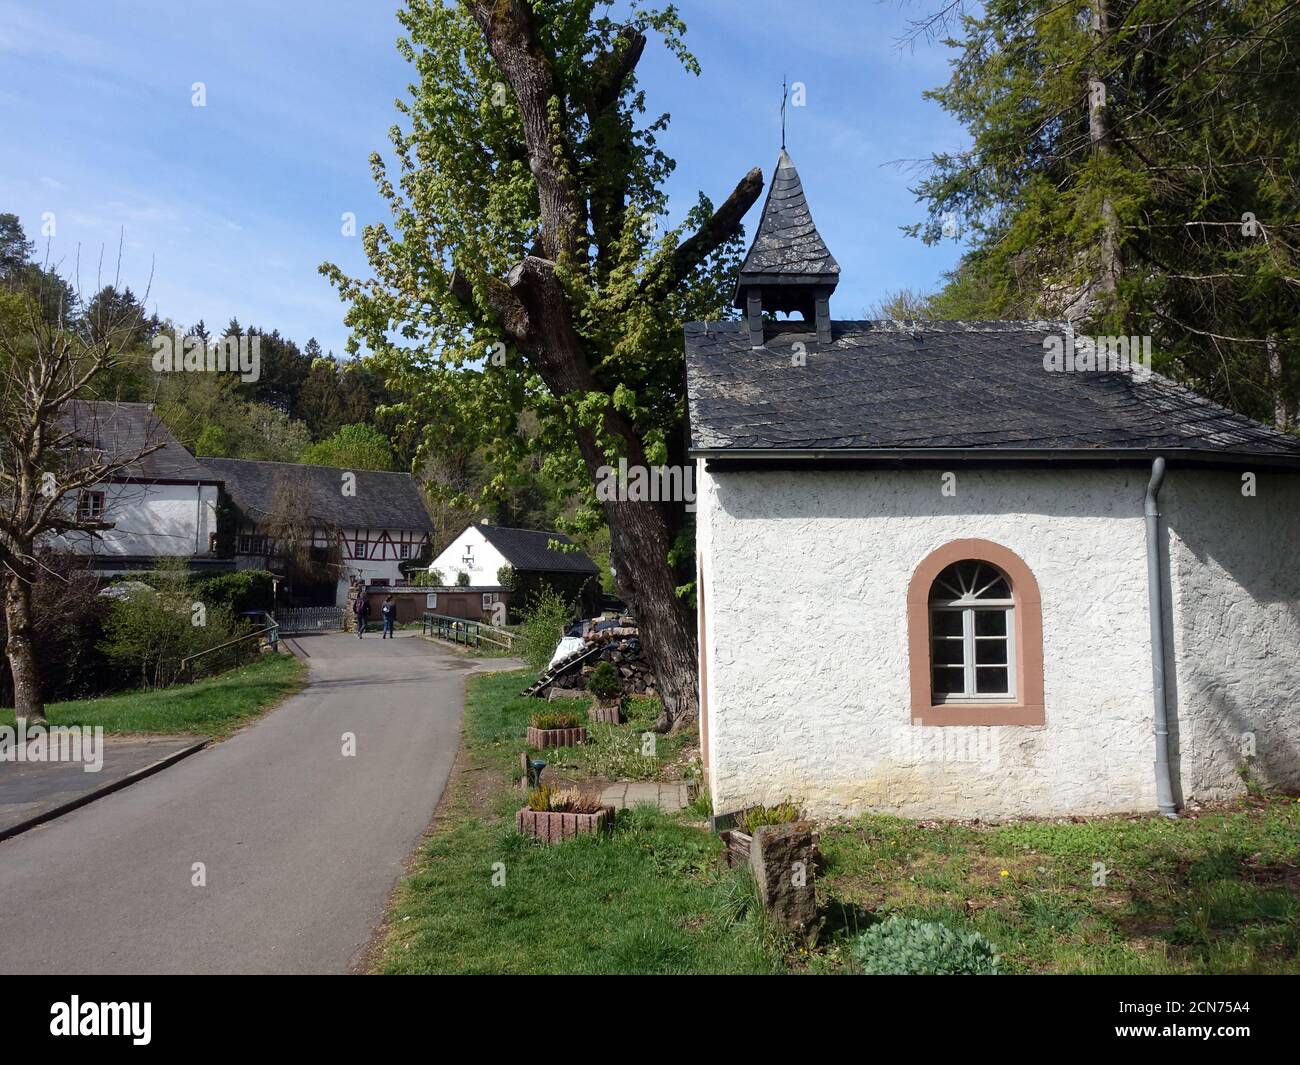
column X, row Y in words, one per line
column 530, row 271
column 15, row 249
column 1132, row 168
column 211, row 441
column 354, row 447
column 114, row 309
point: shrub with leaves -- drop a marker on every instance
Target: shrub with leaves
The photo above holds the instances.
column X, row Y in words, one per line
column 604, row 682
column 544, row 622
column 904, row 946
column 148, row 633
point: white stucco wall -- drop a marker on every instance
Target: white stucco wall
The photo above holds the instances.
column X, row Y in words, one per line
column 805, row 580
column 487, row 560
column 1234, row 579
column 150, row 520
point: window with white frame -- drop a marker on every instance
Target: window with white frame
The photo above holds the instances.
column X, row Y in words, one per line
column 90, row 506
column 489, row 599
column 972, row 643
column 404, row 550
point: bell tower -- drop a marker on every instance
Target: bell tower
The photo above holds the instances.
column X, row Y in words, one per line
column 788, row 268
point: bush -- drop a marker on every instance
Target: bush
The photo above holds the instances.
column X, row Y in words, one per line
column 545, row 618
column 555, row 719
column 904, row 946
column 148, row 633
column 604, row 682
column 244, row 590
column 462, row 579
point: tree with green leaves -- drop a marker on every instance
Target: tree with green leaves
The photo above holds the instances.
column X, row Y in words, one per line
column 354, row 447
column 529, row 270
column 1133, row 168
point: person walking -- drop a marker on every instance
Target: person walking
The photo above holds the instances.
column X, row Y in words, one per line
column 361, row 608
column 388, row 613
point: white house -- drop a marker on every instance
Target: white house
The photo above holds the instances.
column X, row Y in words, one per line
column 481, row 552
column 366, row 525
column 162, row 505
column 938, row 578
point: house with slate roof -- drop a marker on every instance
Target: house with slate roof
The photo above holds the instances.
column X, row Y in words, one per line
column 532, row 558
column 367, row 526
column 942, row 574
column 161, row 505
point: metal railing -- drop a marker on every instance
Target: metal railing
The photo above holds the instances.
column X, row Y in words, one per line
column 311, row 619
column 464, row 631
column 270, row 630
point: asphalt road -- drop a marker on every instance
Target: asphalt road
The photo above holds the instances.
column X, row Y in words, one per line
column 300, row 844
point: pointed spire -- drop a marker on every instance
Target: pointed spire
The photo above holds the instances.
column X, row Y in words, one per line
column 788, row 268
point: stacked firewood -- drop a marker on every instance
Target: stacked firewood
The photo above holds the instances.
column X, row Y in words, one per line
column 621, row 647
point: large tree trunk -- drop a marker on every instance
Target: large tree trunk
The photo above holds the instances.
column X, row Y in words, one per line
column 28, row 702
column 639, row 542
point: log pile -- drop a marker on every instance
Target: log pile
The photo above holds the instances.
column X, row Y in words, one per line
column 621, row 647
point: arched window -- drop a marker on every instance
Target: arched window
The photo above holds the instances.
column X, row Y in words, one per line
column 972, row 639
column 975, row 638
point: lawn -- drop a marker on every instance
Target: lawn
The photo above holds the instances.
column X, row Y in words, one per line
column 213, row 707
column 1215, row 892
column 630, row 751
column 649, row 897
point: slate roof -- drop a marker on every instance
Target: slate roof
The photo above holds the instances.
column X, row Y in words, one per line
column 119, row 430
column 787, row 248
column 526, row 549
column 383, row 500
column 900, row 386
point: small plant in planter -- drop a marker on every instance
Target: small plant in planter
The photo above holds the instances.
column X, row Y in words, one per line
column 738, row 840
column 555, row 728
column 605, row 686
column 555, row 814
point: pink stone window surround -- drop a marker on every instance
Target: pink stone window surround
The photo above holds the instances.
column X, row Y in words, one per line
column 973, row 689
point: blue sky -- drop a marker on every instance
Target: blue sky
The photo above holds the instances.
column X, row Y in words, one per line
column 233, row 205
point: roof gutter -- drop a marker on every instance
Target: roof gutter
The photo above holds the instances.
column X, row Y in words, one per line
column 861, row 457
column 1155, row 585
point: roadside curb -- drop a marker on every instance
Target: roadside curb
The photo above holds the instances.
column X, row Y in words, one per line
column 89, row 797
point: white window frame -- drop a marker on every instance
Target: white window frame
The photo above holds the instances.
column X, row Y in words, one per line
column 98, row 502
column 489, row 599
column 967, row 605
column 430, row 600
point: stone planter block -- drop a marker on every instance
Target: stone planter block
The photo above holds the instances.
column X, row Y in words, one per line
column 552, row 827
column 610, row 714
column 784, row 860
column 542, row 738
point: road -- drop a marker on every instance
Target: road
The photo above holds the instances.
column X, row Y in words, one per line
column 300, row 845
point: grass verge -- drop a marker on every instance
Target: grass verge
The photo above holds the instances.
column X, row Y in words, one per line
column 630, row 751
column 1216, row 892
column 649, row 897
column 212, row 707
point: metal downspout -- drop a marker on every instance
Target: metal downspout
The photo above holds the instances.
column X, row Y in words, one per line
column 1155, row 584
